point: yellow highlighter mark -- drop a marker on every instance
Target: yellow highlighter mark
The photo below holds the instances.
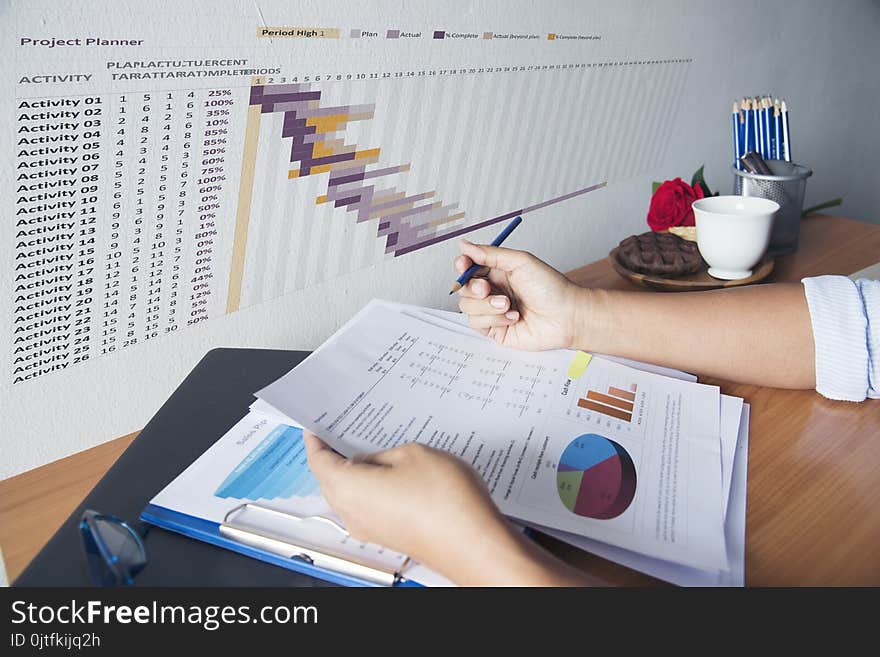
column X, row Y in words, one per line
column 579, row 364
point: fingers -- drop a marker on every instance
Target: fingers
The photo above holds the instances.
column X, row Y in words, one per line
column 463, row 263
column 495, row 257
column 476, row 288
column 385, row 458
column 484, row 322
column 324, row 461
column 497, row 304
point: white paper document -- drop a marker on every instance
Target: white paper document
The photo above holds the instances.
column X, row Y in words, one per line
column 562, row 439
column 735, row 438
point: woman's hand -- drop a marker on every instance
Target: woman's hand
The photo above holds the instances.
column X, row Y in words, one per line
column 521, row 301
column 406, row 498
column 432, row 506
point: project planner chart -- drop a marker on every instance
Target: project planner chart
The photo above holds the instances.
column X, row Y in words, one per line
column 164, row 170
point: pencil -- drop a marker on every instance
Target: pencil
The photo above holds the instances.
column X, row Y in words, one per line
column 756, row 133
column 786, row 137
column 736, row 150
column 777, row 121
column 765, row 113
column 747, row 137
column 503, row 235
column 759, row 127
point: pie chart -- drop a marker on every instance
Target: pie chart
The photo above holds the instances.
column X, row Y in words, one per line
column 596, row 477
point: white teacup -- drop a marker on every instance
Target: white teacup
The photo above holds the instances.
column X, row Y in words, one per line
column 733, row 233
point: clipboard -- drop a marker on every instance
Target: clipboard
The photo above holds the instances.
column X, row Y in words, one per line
column 244, row 531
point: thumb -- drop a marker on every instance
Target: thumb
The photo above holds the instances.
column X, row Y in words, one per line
column 332, row 469
column 322, row 460
column 495, row 257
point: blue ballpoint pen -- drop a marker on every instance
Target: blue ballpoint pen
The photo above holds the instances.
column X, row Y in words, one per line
column 466, row 276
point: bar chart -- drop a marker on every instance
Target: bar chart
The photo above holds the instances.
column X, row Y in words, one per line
column 338, row 176
column 614, row 402
column 203, row 175
column 276, row 468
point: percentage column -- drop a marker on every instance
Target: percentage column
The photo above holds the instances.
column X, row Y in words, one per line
column 213, row 155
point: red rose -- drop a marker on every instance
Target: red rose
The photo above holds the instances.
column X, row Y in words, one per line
column 671, row 205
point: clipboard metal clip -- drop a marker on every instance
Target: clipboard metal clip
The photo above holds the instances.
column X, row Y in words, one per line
column 238, row 526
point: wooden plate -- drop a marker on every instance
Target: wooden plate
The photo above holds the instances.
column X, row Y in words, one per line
column 699, row 281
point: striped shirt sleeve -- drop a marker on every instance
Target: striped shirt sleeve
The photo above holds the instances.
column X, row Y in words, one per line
column 845, row 315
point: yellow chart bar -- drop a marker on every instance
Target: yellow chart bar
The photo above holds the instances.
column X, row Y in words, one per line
column 369, row 153
column 243, row 213
column 331, row 123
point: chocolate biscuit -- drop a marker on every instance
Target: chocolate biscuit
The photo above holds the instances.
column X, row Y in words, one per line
column 662, row 254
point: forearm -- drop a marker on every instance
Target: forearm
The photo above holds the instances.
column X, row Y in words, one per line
column 760, row 334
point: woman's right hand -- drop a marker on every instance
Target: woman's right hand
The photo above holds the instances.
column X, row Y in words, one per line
column 519, row 301
column 434, row 507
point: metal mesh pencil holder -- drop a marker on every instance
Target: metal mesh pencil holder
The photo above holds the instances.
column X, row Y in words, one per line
column 786, row 186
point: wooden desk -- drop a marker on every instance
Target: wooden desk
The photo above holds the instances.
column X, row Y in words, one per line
column 813, row 515
column 813, row 505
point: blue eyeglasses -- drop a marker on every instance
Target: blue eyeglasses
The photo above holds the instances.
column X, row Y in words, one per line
column 115, row 552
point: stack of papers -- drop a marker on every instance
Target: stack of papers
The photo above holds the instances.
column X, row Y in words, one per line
column 638, row 464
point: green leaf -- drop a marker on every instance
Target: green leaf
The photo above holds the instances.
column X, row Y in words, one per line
column 698, row 176
column 705, row 188
column 822, row 206
column 655, row 186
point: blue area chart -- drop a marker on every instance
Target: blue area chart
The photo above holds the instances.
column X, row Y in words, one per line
column 596, row 477
column 276, row 468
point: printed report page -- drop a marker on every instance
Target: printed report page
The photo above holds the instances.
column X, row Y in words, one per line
column 560, row 438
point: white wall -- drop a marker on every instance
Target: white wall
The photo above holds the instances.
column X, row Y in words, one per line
column 821, row 56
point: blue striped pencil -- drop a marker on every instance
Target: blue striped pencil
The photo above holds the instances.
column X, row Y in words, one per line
column 786, row 136
column 762, row 117
column 765, row 126
column 777, row 122
column 748, row 137
column 759, row 126
column 737, row 144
